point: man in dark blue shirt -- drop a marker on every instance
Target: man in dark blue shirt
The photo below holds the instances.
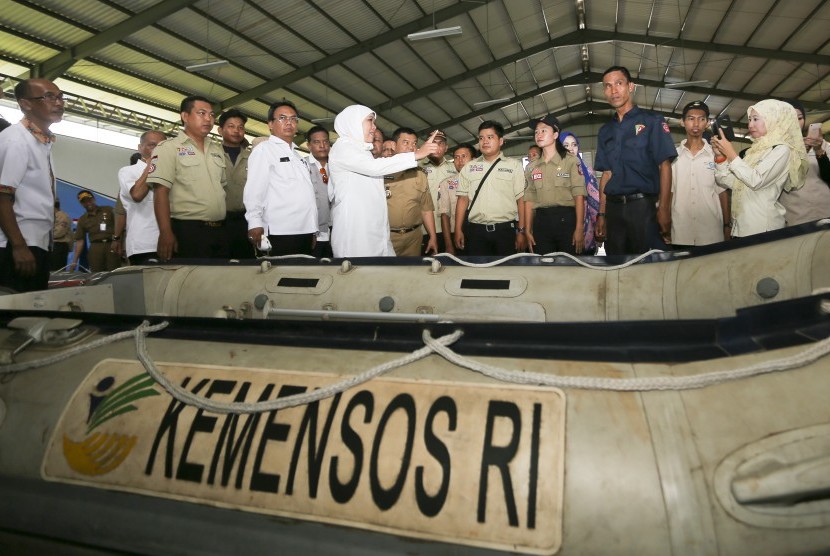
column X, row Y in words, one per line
column 634, row 153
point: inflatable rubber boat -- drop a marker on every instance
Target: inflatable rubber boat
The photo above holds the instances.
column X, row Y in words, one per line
column 674, row 403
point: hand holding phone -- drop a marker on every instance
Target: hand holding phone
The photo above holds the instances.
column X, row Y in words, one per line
column 814, row 131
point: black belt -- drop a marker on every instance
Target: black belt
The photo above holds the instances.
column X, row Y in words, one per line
column 235, row 215
column 100, row 240
column 556, row 207
column 206, row 223
column 402, row 230
column 495, row 227
column 627, row 198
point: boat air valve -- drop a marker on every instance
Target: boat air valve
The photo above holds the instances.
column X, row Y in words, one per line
column 767, row 287
column 386, row 304
column 260, row 301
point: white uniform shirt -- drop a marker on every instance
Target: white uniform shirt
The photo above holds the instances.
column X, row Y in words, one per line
column 26, row 165
column 359, row 214
column 142, row 229
column 696, row 215
column 759, row 209
column 279, row 196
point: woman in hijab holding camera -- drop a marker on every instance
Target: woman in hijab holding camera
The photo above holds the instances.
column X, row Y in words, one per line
column 776, row 161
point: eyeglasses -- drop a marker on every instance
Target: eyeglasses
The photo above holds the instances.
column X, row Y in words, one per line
column 283, row 119
column 324, row 174
column 51, row 98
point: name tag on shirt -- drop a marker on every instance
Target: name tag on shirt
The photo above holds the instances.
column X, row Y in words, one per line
column 563, row 174
column 285, row 159
column 186, row 151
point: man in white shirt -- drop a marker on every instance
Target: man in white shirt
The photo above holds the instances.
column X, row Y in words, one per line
column 137, row 199
column 699, row 208
column 27, row 187
column 319, row 146
column 279, row 196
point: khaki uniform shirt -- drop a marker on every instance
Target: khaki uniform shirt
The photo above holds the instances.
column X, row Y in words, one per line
column 236, row 175
column 62, row 231
column 435, row 175
column 556, row 183
column 100, row 225
column 407, row 196
column 504, row 186
column 196, row 180
column 447, row 198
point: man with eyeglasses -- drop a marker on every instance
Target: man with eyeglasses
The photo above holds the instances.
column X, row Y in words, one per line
column 187, row 174
column 279, row 196
column 319, row 146
column 27, row 187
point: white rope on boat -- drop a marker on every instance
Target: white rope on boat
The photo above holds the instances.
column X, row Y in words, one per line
column 577, row 260
column 142, row 330
column 639, row 384
column 439, row 346
column 288, row 401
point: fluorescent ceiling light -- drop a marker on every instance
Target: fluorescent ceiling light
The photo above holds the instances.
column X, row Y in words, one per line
column 687, row 83
column 490, row 102
column 322, row 120
column 435, row 33
column 207, row 65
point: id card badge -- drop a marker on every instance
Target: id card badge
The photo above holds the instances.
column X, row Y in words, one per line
column 102, row 226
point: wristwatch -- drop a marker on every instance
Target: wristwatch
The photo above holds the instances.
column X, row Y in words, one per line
column 520, row 230
column 727, row 224
column 116, row 238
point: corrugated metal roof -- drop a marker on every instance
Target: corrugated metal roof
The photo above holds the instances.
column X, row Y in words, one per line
column 326, row 54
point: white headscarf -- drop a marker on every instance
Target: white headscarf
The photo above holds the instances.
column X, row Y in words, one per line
column 349, row 124
column 781, row 121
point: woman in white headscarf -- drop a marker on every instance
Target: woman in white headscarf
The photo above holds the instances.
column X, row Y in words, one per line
column 359, row 214
column 776, row 161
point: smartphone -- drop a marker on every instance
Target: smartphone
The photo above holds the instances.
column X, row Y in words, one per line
column 724, row 123
column 814, row 131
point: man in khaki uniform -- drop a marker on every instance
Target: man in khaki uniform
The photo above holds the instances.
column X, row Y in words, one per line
column 409, row 203
column 491, row 229
column 448, row 195
column 437, row 169
column 99, row 224
column 232, row 128
column 188, row 178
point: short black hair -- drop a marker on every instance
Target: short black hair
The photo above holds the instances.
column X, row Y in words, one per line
column 280, row 104
column 382, row 134
column 400, row 130
column 494, row 125
column 232, row 113
column 188, row 102
column 22, row 89
column 315, row 129
column 537, row 147
column 135, row 157
column 467, row 146
column 622, row 69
